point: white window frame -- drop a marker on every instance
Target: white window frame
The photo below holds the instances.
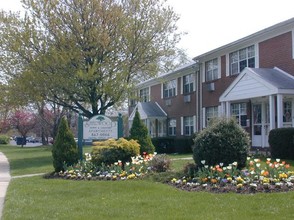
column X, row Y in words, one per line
column 188, row 125
column 210, row 113
column 145, row 94
column 189, row 82
column 212, row 70
column 240, row 56
column 169, row 89
column 239, row 110
column 172, row 124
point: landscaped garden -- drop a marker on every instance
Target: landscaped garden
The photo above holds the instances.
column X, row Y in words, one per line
column 117, row 179
column 39, row 198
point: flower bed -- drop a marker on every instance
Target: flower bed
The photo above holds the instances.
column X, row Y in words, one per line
column 85, row 170
column 274, row 176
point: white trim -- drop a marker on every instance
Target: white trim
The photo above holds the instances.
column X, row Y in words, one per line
column 176, row 86
column 279, row 111
column 203, row 117
column 219, row 110
column 182, row 84
column 203, row 72
column 272, row 111
column 227, row 64
column 293, row 44
column 228, row 109
column 194, row 123
column 182, row 125
column 219, row 68
column 256, row 50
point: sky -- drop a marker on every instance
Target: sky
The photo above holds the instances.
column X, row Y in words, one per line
column 210, row 24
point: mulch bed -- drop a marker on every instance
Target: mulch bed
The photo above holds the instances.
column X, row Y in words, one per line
column 246, row 189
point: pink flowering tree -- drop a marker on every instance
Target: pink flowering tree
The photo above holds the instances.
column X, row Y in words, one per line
column 23, row 122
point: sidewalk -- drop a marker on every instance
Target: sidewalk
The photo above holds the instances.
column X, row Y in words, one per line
column 4, row 179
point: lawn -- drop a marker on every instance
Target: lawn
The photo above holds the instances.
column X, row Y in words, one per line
column 38, row 198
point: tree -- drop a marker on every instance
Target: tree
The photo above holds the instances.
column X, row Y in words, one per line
column 139, row 132
column 64, row 151
column 23, row 122
column 86, row 55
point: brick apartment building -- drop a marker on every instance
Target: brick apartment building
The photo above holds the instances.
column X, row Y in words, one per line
column 251, row 79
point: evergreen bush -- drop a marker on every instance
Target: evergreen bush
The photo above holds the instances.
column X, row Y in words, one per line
column 64, row 151
column 223, row 141
column 281, row 141
column 4, row 139
column 110, row 151
column 140, row 132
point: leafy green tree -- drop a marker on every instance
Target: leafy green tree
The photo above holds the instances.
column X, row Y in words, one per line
column 64, row 151
column 139, row 132
column 86, row 55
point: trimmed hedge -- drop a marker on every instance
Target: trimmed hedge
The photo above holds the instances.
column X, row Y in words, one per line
column 110, row 151
column 281, row 141
column 170, row 145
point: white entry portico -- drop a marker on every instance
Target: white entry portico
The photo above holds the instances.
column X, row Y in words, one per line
column 268, row 95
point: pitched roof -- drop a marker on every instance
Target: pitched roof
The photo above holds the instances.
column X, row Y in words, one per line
column 148, row 110
column 258, row 82
column 276, row 77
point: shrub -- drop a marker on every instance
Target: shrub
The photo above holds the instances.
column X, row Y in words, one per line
column 160, row 163
column 223, row 141
column 64, row 149
column 140, row 132
column 4, row 139
column 110, row 151
column 169, row 145
column 281, row 141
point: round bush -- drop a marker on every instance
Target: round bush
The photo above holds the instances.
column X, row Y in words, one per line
column 223, row 141
column 4, row 139
column 110, row 151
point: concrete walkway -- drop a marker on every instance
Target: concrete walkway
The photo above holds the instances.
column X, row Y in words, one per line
column 4, row 179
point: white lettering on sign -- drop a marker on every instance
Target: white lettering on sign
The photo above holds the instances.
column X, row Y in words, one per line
column 100, row 127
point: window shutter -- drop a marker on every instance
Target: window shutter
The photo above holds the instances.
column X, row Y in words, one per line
column 204, row 118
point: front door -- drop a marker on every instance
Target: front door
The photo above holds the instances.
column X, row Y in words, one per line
column 260, row 124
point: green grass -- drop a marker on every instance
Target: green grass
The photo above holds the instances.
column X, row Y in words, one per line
column 30, row 160
column 38, row 198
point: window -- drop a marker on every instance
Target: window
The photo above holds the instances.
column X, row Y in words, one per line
column 144, row 95
column 287, row 111
column 239, row 111
column 188, row 126
column 188, row 83
column 211, row 112
column 172, row 125
column 169, row 88
column 211, row 70
column 241, row 59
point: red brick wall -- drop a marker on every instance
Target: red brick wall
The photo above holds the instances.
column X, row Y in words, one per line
column 277, row 52
column 220, row 85
column 178, row 107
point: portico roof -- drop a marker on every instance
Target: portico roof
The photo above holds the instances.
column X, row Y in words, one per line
column 148, row 110
column 258, row 82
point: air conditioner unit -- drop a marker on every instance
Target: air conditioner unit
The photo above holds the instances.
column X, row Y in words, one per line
column 187, row 98
column 210, row 87
column 168, row 102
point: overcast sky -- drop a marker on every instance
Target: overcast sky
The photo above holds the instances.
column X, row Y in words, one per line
column 213, row 23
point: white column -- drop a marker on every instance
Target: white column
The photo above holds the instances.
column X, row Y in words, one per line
column 279, row 111
column 223, row 109
column 228, row 109
column 272, row 111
